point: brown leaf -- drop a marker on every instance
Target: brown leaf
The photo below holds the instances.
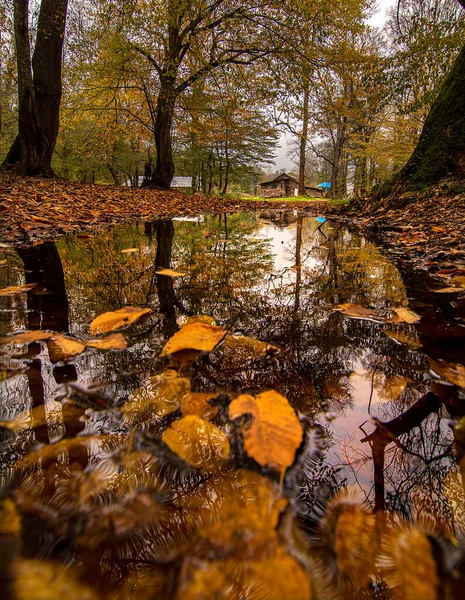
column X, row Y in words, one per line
column 448, row 290
column 355, row 311
column 275, row 432
column 406, row 315
column 404, row 337
column 196, row 403
column 455, row 373
column 61, row 348
column 28, row 337
column 157, row 397
column 196, row 336
column 116, row 341
column 116, row 319
column 198, row 442
column 17, row 289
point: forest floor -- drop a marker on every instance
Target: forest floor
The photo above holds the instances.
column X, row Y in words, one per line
column 34, row 210
column 424, row 230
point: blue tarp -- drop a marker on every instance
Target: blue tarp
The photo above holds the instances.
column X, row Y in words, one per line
column 326, row 185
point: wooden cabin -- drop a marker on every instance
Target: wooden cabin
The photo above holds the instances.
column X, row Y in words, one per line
column 284, row 186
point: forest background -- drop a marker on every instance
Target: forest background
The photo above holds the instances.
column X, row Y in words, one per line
column 352, row 99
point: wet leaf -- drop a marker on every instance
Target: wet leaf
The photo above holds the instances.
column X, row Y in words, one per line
column 110, row 321
column 406, row 315
column 183, row 321
column 355, row 311
column 448, row 290
column 48, row 581
column 404, row 337
column 28, row 337
column 169, row 273
column 196, row 336
column 61, row 348
column 198, row 442
column 116, row 341
column 17, row 289
column 157, row 397
column 274, row 578
column 196, row 403
column 275, row 432
column 455, row 373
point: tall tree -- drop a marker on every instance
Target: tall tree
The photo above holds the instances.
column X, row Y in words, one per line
column 39, row 86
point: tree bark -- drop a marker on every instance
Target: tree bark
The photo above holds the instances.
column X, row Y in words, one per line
column 303, row 141
column 39, row 94
column 164, row 167
column 440, row 151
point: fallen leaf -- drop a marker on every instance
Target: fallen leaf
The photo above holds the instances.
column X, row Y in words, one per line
column 62, row 348
column 448, row 290
column 198, row 442
column 116, row 341
column 406, row 315
column 404, row 337
column 17, row 289
column 460, row 280
column 453, row 372
column 28, row 337
column 355, row 311
column 156, row 398
column 130, row 250
column 183, row 321
column 196, row 336
column 275, row 432
column 196, row 403
column 169, row 273
column 117, row 319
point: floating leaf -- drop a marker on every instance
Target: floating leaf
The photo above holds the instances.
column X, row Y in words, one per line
column 197, row 404
column 274, row 578
column 448, row 290
column 455, row 373
column 183, row 321
column 28, row 337
column 460, row 280
column 406, row 315
column 158, row 397
column 404, row 337
column 355, row 311
column 116, row 341
column 169, row 273
column 117, row 319
column 17, row 289
column 196, row 336
column 62, row 348
column 275, row 432
column 198, row 442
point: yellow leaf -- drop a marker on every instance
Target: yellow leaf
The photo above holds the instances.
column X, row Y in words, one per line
column 116, row 341
column 455, row 373
column 17, row 289
column 448, row 290
column 61, row 348
column 197, row 404
column 275, row 578
column 196, row 336
column 183, row 321
column 169, row 273
column 156, row 398
column 275, row 432
column 198, row 442
column 117, row 319
column 406, row 315
column 130, row 250
column 404, row 337
column 28, row 337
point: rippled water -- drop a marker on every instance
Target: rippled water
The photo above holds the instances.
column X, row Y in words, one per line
column 272, row 277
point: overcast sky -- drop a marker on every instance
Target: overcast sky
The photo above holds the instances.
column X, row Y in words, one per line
column 377, row 20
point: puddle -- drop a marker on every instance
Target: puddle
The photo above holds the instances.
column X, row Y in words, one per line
column 273, row 278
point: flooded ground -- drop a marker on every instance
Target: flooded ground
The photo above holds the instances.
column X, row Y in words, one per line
column 101, row 488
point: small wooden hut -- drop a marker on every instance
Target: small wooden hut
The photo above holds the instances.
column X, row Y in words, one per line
column 285, row 185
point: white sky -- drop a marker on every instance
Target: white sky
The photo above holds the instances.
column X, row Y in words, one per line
column 377, row 20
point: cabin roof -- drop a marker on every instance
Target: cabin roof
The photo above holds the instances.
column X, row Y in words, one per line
column 288, row 176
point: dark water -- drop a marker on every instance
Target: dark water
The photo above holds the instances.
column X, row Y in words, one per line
column 274, row 278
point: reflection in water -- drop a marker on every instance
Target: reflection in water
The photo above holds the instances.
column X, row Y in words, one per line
column 363, row 388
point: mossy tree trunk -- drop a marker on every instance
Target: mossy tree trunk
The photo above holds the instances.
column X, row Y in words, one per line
column 440, row 151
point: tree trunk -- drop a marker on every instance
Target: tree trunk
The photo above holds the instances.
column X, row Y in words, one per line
column 303, row 141
column 39, row 95
column 164, row 168
column 440, row 151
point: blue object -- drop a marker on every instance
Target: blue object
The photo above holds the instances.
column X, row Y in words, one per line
column 326, row 185
column 321, row 220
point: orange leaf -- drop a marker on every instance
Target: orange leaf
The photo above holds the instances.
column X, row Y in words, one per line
column 196, row 336
column 28, row 337
column 275, row 433
column 169, row 273
column 117, row 319
column 355, row 311
column 116, row 341
column 61, row 348
column 406, row 315
column 17, row 289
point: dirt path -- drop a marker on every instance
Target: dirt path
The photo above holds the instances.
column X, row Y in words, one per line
column 33, row 210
